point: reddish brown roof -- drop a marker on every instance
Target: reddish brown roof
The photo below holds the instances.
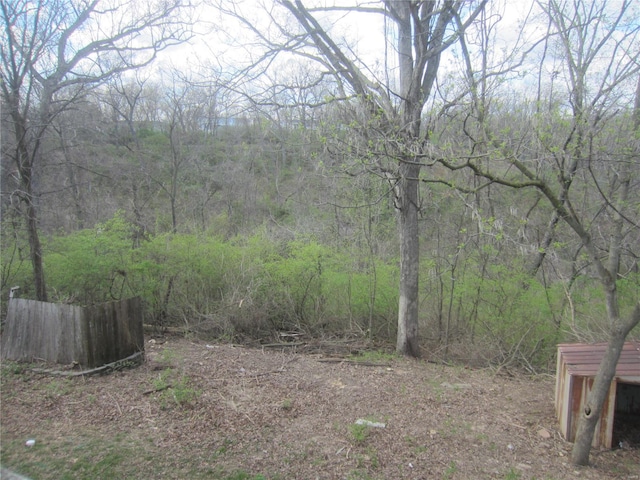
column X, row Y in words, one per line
column 584, row 359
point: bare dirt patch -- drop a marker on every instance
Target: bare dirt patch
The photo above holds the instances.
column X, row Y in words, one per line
column 195, row 410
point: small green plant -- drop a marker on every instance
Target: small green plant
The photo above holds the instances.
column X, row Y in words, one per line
column 374, row 356
column 358, row 475
column 168, row 356
column 182, row 393
column 436, row 387
column 512, row 474
column 359, row 432
column 450, row 427
column 224, row 447
column 12, row 368
column 287, row 404
column 373, row 458
column 450, row 471
column 414, row 443
column 174, row 391
column 57, row 388
column 162, row 382
column 242, row 475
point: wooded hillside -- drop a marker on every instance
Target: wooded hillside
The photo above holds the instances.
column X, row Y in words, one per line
column 240, row 211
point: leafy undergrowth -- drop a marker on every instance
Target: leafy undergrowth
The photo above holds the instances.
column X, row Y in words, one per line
column 195, row 410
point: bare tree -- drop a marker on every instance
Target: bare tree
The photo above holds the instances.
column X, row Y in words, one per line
column 51, row 53
column 389, row 110
column 585, row 172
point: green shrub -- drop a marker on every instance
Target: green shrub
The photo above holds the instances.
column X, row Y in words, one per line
column 240, row 287
column 90, row 266
column 311, row 287
column 15, row 264
column 500, row 313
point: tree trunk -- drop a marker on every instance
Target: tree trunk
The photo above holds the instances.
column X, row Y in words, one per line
column 24, row 163
column 407, row 340
column 35, row 248
column 424, row 31
column 76, row 192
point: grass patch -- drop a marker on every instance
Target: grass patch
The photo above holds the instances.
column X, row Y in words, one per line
column 374, row 356
column 169, row 356
column 58, row 388
column 11, row 369
column 450, row 471
column 95, row 455
column 175, row 390
column 512, row 474
column 360, row 430
column 242, row 475
column 73, row 458
column 359, row 433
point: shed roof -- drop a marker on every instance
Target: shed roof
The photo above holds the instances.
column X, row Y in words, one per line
column 583, row 359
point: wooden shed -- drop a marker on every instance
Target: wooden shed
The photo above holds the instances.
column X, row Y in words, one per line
column 577, row 366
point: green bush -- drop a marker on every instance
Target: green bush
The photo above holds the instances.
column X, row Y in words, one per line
column 499, row 313
column 311, row 287
column 182, row 276
column 15, row 264
column 90, row 266
column 256, row 286
column 240, row 287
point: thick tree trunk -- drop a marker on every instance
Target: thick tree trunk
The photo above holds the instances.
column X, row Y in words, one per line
column 407, row 340
column 424, row 31
column 35, row 251
column 24, row 164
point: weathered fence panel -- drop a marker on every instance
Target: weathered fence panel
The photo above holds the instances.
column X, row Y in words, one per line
column 57, row 333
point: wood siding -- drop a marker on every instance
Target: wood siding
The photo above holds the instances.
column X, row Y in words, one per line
column 63, row 334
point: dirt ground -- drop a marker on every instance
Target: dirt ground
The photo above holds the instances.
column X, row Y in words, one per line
column 198, row 410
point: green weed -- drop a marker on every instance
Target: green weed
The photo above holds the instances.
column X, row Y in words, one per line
column 58, row 388
column 358, row 475
column 174, row 390
column 359, row 433
column 168, row 356
column 10, row 369
column 242, row 475
column 374, row 356
column 512, row 474
column 450, row 471
column 182, row 394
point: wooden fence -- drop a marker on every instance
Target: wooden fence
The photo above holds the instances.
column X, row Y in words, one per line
column 63, row 334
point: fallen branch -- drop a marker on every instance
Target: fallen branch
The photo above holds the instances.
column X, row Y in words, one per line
column 283, row 344
column 353, row 362
column 130, row 361
column 159, row 389
column 263, row 374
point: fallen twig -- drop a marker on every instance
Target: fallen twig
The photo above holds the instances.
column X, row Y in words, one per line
column 131, row 360
column 282, row 344
column 353, row 362
column 159, row 389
